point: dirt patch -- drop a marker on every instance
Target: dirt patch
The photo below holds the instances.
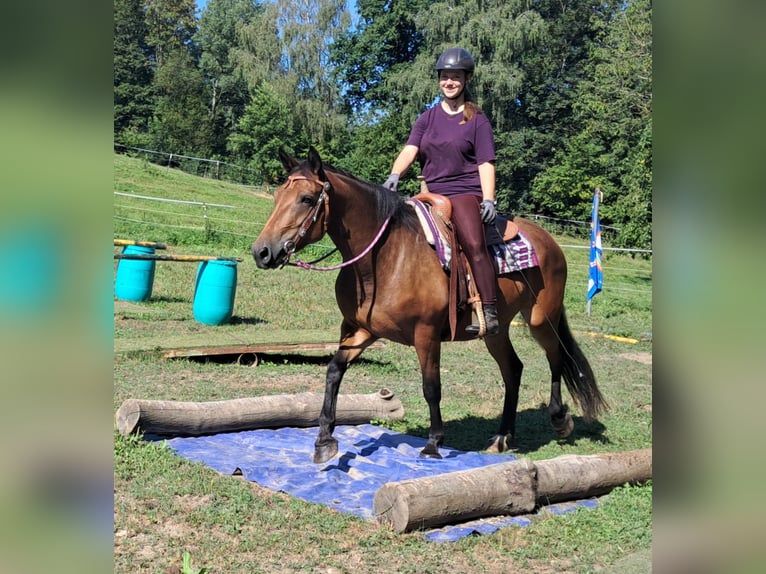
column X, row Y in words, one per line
column 645, row 358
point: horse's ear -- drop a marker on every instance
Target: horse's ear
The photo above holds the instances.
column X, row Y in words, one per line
column 316, row 162
column 288, row 161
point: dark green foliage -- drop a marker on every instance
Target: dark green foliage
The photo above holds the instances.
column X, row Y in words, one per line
column 180, row 123
column 386, row 37
column 266, row 125
column 611, row 141
column 132, row 68
column 225, row 82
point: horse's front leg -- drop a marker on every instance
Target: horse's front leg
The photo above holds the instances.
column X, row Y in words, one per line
column 429, row 355
column 351, row 346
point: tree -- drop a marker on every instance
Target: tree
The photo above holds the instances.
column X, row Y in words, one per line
column 180, row 123
column 308, row 28
column 612, row 143
column 218, row 40
column 265, row 126
column 171, row 24
column 385, row 37
column 132, row 71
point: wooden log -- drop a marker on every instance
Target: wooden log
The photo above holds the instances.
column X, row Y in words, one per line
column 509, row 488
column 157, row 257
column 453, row 497
column 273, row 411
column 154, row 244
column 570, row 477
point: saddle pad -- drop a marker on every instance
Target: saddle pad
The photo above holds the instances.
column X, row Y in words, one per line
column 514, row 255
column 432, row 232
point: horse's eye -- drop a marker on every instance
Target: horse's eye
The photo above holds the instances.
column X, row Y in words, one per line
column 307, row 200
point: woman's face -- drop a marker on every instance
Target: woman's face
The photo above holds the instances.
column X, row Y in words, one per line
column 452, row 83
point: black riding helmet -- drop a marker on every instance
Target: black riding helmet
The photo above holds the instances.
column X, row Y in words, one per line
column 455, row 59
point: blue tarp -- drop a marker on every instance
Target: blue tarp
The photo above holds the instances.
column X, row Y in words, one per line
column 369, row 457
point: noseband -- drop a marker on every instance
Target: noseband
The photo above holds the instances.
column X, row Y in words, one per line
column 291, row 245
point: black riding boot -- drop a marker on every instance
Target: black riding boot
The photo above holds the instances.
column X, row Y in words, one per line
column 490, row 317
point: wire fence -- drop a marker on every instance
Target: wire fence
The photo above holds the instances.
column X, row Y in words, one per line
column 199, row 166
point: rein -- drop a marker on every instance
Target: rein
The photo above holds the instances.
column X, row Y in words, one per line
column 311, row 267
column 291, row 245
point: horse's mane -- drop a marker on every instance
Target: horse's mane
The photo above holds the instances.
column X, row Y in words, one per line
column 388, row 203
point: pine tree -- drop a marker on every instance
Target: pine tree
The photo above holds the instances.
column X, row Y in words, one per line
column 133, row 72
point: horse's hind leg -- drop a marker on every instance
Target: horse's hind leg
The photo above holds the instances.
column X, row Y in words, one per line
column 351, row 346
column 544, row 332
column 511, row 367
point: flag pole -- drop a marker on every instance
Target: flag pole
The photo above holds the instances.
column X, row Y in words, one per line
column 595, row 272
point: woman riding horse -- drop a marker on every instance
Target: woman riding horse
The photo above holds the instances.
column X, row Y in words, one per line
column 391, row 285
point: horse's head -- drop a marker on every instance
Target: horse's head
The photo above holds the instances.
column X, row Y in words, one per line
column 300, row 212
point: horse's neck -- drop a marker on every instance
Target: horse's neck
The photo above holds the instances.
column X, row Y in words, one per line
column 354, row 221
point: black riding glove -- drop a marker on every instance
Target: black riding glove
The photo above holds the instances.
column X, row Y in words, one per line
column 392, row 183
column 488, row 212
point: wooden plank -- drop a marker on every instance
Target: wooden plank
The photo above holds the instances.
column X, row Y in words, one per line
column 204, row 351
column 175, row 257
column 154, row 244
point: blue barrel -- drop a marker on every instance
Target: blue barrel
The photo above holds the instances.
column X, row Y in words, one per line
column 214, row 292
column 135, row 277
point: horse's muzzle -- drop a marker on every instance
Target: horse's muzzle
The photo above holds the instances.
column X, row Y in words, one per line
column 264, row 256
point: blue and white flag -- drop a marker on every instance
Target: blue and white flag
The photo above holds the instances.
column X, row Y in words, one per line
column 596, row 273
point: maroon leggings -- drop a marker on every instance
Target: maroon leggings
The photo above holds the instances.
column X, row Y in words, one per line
column 470, row 234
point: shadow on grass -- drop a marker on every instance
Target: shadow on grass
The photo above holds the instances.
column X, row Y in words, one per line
column 533, row 431
column 237, row 320
column 166, row 299
column 249, row 359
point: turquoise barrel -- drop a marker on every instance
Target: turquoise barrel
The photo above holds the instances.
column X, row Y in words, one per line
column 214, row 292
column 135, row 277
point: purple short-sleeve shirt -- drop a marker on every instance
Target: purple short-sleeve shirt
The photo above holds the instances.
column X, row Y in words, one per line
column 450, row 153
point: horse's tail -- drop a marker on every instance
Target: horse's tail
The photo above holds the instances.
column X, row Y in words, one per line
column 578, row 375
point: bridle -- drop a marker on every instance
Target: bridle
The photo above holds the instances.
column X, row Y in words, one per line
column 291, row 245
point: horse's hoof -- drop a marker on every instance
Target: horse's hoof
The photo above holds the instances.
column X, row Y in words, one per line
column 430, row 452
column 325, row 451
column 498, row 443
column 563, row 426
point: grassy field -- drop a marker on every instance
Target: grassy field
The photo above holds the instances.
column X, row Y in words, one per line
column 166, row 507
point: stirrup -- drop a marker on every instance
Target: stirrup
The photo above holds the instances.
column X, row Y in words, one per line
column 481, row 327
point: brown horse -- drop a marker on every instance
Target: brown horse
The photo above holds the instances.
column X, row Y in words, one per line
column 391, row 285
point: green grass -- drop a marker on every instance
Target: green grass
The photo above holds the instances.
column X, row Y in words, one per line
column 167, row 507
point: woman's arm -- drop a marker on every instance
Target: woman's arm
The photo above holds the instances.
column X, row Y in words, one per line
column 405, row 159
column 487, row 177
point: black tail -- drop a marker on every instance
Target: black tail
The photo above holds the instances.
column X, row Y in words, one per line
column 577, row 374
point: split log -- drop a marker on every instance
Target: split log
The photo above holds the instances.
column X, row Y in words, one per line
column 509, row 488
column 274, row 411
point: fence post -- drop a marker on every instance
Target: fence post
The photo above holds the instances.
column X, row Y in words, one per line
column 207, row 222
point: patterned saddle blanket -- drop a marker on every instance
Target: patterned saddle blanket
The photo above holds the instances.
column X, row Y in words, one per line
column 512, row 251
